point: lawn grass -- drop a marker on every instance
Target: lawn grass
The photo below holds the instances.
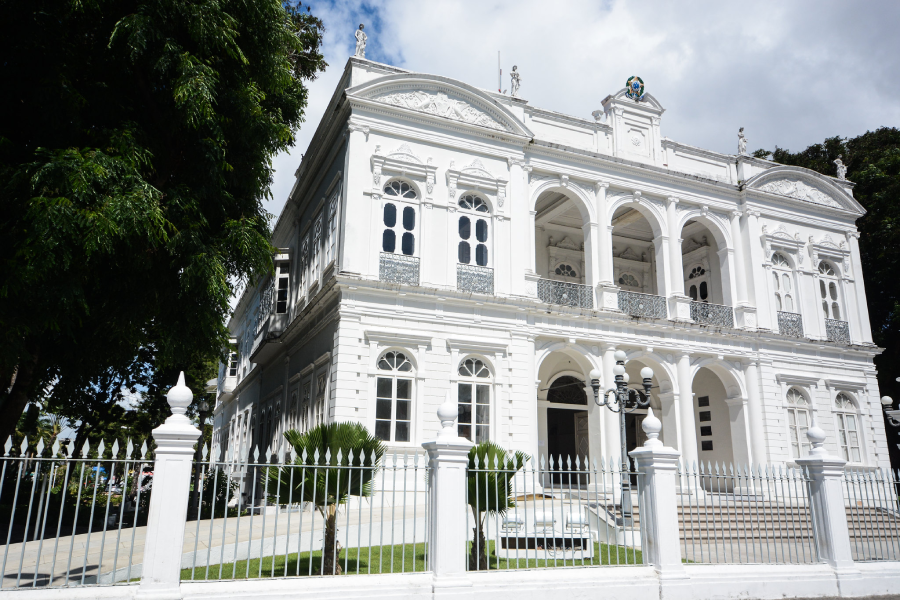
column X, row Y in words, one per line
column 377, row 559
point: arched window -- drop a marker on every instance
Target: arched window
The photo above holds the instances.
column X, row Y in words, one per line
column 399, row 218
column 848, row 427
column 393, row 398
column 567, row 390
column 627, row 280
column 474, row 400
column 798, row 422
column 783, row 283
column 828, row 291
column 474, row 231
column 699, row 286
column 566, row 270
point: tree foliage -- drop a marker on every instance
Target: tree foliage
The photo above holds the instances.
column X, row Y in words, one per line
column 136, row 140
column 873, row 164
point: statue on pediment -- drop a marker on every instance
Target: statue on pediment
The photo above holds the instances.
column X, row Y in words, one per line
column 515, row 81
column 742, row 142
column 841, row 168
column 361, row 38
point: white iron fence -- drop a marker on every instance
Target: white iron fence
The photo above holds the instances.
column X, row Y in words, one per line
column 72, row 520
column 745, row 515
column 873, row 513
column 294, row 516
column 524, row 514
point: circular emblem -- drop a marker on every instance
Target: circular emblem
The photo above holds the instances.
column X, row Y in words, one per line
column 634, row 88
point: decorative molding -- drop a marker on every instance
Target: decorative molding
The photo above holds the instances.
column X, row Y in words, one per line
column 388, row 338
column 782, row 240
column 476, row 177
column 802, row 380
column 404, row 162
column 827, row 248
column 441, row 104
column 478, row 347
column 799, row 190
column 354, row 126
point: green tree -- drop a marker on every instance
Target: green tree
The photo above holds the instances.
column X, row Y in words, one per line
column 873, row 164
column 489, row 492
column 325, row 479
column 136, row 140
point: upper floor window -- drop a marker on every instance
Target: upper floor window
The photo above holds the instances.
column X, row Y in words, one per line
column 848, row 427
column 305, row 403
column 699, row 287
column 627, row 280
column 233, row 363
column 781, row 275
column 393, row 398
column 282, row 282
column 399, row 220
column 798, row 422
column 319, row 406
column 474, row 400
column 828, row 291
column 331, row 230
column 566, row 270
column 481, row 227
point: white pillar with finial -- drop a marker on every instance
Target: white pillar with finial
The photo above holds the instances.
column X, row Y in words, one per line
column 826, row 499
column 175, row 439
column 448, row 458
column 657, row 465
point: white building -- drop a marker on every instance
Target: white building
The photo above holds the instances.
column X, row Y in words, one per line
column 443, row 239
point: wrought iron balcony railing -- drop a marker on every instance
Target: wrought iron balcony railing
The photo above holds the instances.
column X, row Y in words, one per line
column 712, row 314
column 637, row 304
column 264, row 308
column 472, row 278
column 837, row 331
column 790, row 324
column 398, row 268
column 565, row 293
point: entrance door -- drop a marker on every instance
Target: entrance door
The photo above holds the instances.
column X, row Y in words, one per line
column 563, row 443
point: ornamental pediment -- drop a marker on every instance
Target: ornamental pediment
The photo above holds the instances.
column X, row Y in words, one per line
column 440, row 97
column 795, row 188
column 803, row 185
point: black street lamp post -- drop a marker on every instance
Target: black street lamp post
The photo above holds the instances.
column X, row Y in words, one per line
column 622, row 399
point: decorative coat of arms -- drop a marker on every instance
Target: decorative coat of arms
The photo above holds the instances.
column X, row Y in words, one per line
column 634, row 88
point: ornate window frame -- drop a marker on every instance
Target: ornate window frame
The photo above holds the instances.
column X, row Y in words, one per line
column 475, row 178
column 395, row 376
column 474, row 217
column 476, row 383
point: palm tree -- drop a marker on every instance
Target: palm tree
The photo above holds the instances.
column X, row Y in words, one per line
column 337, row 460
column 489, row 491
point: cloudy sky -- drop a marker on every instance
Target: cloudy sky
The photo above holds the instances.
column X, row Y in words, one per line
column 792, row 73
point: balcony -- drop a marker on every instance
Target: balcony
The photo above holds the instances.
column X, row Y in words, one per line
column 837, row 331
column 642, row 305
column 565, row 293
column 790, row 324
column 472, row 278
column 712, row 314
column 398, row 268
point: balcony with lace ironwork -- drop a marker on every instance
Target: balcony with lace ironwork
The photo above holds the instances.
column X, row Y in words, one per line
column 565, row 293
column 398, row 268
column 712, row 314
column 637, row 304
column 837, row 331
column 790, row 324
column 472, row 278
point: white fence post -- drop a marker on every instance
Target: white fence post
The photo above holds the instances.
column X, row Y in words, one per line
column 448, row 458
column 161, row 572
column 826, row 499
column 657, row 465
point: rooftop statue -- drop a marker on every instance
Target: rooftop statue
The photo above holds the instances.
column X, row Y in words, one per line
column 841, row 168
column 515, row 81
column 361, row 38
column 742, row 142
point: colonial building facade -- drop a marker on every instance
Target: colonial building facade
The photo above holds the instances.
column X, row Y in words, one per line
column 441, row 240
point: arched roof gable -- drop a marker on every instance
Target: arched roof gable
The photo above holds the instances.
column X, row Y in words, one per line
column 441, row 97
column 804, row 185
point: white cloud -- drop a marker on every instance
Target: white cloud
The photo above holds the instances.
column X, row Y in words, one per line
column 791, row 73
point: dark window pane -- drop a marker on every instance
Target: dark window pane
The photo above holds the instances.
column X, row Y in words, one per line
column 465, row 431
column 388, row 241
column 464, row 253
column 402, row 433
column 281, row 307
column 390, row 215
column 384, row 388
column 693, row 292
column 383, row 430
column 481, row 255
column 482, row 414
column 465, row 413
column 706, row 445
column 283, row 267
column 403, row 410
column 483, row 394
column 705, row 415
column 482, row 434
column 481, row 230
column 409, row 218
column 404, row 388
column 706, row 430
column 703, row 291
column 465, row 228
column 382, row 409
column 703, row 401
column 465, row 393
column 409, row 244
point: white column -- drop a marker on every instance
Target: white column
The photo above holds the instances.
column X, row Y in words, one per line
column 661, row 546
column 740, row 277
column 862, row 308
column 757, row 283
column 360, row 242
column 679, row 302
column 175, row 439
column 755, row 413
column 448, row 458
column 688, row 434
column 613, row 443
column 517, row 203
column 826, row 499
column 591, row 255
column 604, row 245
column 740, row 431
column 530, row 261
